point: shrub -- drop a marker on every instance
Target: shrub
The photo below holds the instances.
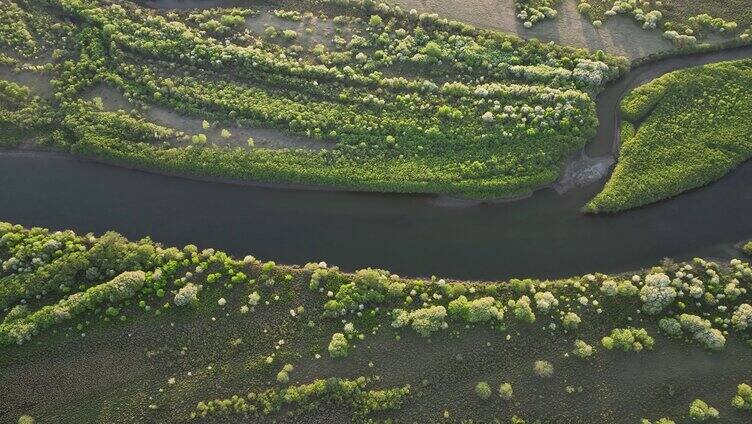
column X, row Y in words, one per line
column 283, row 377
column 582, row 350
column 627, row 289
column 375, row 21
column 505, row 391
column 610, row 288
column 124, row 286
column 743, row 397
column 187, row 294
column 742, row 317
column 543, row 369
column 671, row 327
column 657, row 293
column 522, row 310
column 701, row 411
column 289, row 34
column 571, row 321
column 483, row 390
column 338, row 346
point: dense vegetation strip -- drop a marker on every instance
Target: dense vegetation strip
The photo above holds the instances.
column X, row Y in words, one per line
column 692, row 127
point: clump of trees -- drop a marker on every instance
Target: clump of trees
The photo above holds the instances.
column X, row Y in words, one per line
column 628, row 340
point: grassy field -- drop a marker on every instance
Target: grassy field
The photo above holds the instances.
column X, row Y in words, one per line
column 692, row 127
column 103, row 330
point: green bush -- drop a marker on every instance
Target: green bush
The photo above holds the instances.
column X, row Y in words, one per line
column 338, row 346
column 483, row 390
column 628, row 339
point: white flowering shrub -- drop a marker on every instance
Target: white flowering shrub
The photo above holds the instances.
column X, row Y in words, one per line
column 254, row 298
column 732, row 290
column 609, row 287
column 711, row 339
column 338, row 346
column 545, row 301
column 680, row 40
column 742, row 317
column 477, row 310
column 533, row 11
column 656, row 293
column 187, row 294
column 571, row 321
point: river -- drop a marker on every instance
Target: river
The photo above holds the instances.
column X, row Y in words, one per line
column 543, row 236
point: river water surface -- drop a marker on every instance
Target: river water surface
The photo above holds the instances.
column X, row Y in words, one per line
column 544, row 235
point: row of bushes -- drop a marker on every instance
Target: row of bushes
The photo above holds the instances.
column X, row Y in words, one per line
column 351, row 394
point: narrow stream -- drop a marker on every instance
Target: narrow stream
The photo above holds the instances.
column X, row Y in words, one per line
column 542, row 236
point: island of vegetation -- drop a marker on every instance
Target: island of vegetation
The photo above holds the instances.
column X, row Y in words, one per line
column 680, row 131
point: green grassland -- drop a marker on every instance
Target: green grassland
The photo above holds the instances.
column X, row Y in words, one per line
column 692, row 127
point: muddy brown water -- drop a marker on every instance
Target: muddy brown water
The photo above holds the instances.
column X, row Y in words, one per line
column 544, row 235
